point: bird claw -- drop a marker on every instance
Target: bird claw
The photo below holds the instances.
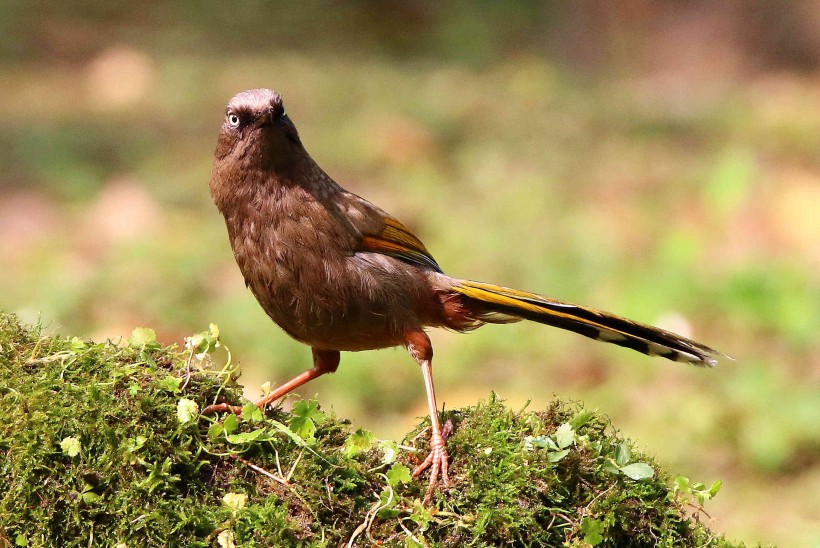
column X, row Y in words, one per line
column 436, row 461
column 222, row 408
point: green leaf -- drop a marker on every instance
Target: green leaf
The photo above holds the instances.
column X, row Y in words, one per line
column 252, row 413
column 594, row 447
column 20, row 540
column 187, row 410
column 305, row 417
column 397, row 474
column 390, row 450
column 564, row 436
column 555, row 456
column 296, row 438
column 309, row 410
column 169, row 383
column 143, row 337
column 387, row 501
column 215, row 430
column 71, row 446
column 611, row 467
column 682, row 484
column 421, row 515
column 593, row 531
column 701, row 493
column 132, row 445
column 539, row 442
column 622, row 454
column 203, row 342
column 638, row 471
column 231, row 423
column 248, row 437
column 135, row 444
column 77, row 345
column 90, row 497
column 358, row 442
column 302, row 427
column 580, row 419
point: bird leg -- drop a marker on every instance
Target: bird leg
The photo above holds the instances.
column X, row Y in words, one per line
column 418, row 344
column 324, row 361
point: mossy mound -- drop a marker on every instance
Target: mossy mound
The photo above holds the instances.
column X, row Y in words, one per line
column 101, row 444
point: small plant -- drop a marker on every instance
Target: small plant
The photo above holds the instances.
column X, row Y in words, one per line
column 621, row 464
column 687, row 492
column 110, row 434
column 306, row 416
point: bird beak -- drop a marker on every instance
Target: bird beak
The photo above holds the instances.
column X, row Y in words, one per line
column 264, row 119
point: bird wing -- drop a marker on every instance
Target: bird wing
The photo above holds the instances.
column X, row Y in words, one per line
column 396, row 240
column 381, row 233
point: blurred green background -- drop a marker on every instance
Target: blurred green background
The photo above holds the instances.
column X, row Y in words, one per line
column 657, row 159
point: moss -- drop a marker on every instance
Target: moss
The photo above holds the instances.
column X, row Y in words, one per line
column 95, row 449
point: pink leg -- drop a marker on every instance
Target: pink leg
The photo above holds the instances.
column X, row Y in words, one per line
column 324, row 361
column 418, row 344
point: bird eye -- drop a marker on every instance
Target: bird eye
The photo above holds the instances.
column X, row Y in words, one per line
column 233, row 120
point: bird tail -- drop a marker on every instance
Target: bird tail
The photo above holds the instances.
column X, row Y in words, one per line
column 495, row 304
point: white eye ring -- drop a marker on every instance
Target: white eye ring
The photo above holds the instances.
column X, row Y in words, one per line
column 233, row 120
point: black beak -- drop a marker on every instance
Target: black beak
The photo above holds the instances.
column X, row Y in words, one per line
column 265, row 119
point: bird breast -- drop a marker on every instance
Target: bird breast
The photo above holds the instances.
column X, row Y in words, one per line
column 300, row 261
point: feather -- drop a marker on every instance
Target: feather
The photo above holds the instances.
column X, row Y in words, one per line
column 396, row 240
column 494, row 304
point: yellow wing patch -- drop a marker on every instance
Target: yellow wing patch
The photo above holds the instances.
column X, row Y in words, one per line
column 396, row 240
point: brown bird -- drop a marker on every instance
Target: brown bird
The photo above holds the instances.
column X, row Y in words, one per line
column 339, row 274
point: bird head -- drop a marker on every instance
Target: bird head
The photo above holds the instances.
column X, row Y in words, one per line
column 256, row 128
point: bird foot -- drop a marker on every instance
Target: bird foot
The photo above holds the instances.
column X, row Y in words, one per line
column 262, row 403
column 436, row 461
column 222, row 408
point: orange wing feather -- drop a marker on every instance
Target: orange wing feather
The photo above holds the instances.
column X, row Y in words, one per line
column 396, row 240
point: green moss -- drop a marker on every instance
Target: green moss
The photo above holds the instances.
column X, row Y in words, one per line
column 95, row 450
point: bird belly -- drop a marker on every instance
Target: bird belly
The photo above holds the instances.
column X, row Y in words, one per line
column 364, row 301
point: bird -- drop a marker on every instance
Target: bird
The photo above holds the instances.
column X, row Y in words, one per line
column 339, row 274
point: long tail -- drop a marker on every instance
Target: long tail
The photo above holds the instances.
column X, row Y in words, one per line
column 496, row 304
